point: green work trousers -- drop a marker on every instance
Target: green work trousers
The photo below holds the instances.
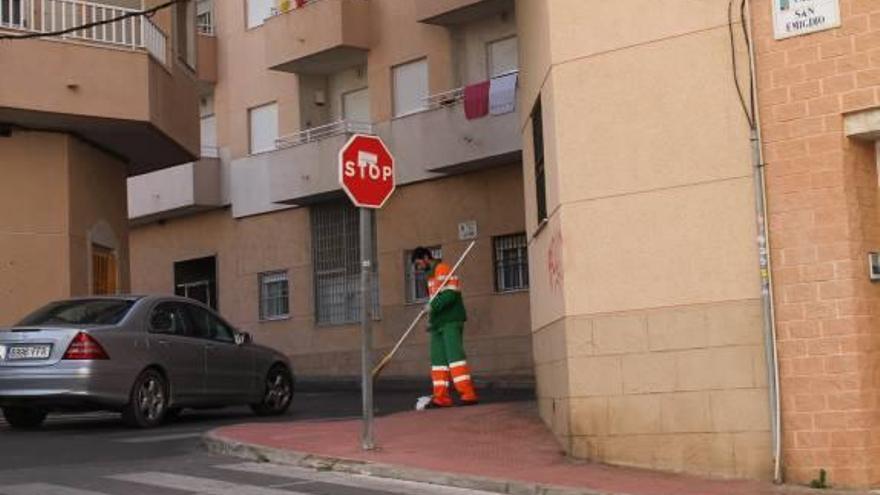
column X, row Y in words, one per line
column 446, row 344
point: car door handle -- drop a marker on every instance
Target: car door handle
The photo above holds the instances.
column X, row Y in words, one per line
column 164, row 342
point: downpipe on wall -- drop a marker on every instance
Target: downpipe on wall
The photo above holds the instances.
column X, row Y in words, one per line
column 770, row 349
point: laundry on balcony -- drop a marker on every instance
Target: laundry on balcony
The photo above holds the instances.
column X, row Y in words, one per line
column 476, row 100
column 502, row 93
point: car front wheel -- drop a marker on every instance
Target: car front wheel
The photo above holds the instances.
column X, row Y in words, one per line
column 24, row 417
column 149, row 400
column 277, row 393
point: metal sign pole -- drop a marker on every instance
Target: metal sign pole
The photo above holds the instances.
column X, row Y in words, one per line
column 366, row 326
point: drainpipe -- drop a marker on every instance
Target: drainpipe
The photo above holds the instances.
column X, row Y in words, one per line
column 770, row 350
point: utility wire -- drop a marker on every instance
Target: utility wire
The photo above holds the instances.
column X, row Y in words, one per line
column 748, row 109
column 143, row 13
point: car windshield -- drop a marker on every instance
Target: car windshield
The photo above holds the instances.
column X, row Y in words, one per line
column 81, row 312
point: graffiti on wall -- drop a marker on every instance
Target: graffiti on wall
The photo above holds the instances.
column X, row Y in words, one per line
column 554, row 262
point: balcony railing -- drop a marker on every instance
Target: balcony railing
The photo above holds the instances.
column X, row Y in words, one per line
column 323, row 132
column 453, row 96
column 288, row 5
column 42, row 16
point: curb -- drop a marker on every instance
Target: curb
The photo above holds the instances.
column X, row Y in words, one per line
column 218, row 444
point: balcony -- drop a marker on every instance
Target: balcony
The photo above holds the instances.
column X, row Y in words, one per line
column 453, row 12
column 319, row 37
column 441, row 140
column 304, row 167
column 176, row 191
column 437, row 141
column 119, row 88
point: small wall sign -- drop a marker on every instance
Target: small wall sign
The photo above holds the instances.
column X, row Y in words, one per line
column 799, row 17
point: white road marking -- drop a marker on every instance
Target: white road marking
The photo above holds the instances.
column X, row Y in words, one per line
column 160, row 438
column 44, row 489
column 389, row 485
column 202, row 486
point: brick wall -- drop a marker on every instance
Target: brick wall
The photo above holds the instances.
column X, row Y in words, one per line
column 822, row 196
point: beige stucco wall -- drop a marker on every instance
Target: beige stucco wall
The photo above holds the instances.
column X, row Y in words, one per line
column 645, row 296
column 98, row 213
column 497, row 335
column 56, row 190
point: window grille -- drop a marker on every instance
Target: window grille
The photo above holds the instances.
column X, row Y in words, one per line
column 274, row 296
column 511, row 263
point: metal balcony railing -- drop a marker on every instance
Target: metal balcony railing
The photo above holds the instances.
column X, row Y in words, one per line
column 42, row 16
column 453, row 96
column 323, row 132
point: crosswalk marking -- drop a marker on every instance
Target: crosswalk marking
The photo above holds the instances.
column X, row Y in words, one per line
column 44, row 489
column 388, row 485
column 160, row 438
column 202, row 486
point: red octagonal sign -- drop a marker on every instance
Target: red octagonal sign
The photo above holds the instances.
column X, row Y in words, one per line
column 366, row 171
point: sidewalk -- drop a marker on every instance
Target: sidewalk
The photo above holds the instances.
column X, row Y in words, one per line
column 502, row 448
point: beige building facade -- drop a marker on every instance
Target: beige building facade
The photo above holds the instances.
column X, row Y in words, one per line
column 124, row 104
column 628, row 173
column 259, row 227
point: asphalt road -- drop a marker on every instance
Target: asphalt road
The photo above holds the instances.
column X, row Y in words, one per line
column 95, row 454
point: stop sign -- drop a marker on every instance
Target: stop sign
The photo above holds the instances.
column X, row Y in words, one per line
column 366, row 171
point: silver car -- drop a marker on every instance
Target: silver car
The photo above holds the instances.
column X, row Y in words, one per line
column 147, row 357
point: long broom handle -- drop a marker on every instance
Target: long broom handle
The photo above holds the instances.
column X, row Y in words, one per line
column 384, row 362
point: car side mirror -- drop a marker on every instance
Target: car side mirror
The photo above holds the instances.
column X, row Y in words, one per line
column 242, row 338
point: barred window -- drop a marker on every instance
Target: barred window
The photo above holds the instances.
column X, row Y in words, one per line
column 274, row 296
column 511, row 263
column 415, row 282
column 336, row 259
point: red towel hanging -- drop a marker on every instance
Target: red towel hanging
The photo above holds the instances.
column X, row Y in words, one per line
column 476, row 100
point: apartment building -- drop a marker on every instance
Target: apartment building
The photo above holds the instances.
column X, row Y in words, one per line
column 78, row 114
column 259, row 228
column 618, row 210
column 659, row 333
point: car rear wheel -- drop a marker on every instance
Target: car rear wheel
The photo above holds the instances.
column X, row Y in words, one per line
column 277, row 394
column 149, row 400
column 24, row 417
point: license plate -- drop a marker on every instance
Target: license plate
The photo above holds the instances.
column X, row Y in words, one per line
column 28, row 352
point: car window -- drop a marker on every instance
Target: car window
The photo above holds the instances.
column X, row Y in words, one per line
column 80, row 312
column 208, row 326
column 167, row 318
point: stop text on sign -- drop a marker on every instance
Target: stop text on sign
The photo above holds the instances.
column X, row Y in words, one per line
column 367, row 166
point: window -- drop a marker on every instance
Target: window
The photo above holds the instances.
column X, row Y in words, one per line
column 11, row 13
column 263, row 127
column 502, row 56
column 511, row 263
column 205, row 17
column 208, row 126
column 410, row 87
column 206, row 325
column 185, row 36
column 274, row 296
column 538, row 145
column 356, row 105
column 197, row 279
column 258, row 11
column 336, row 254
column 415, row 282
column 168, row 318
column 104, row 272
column 80, row 312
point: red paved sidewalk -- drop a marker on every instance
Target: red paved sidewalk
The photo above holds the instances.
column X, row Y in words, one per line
column 501, row 441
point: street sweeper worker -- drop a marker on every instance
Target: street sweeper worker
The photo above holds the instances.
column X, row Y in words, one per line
column 445, row 324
